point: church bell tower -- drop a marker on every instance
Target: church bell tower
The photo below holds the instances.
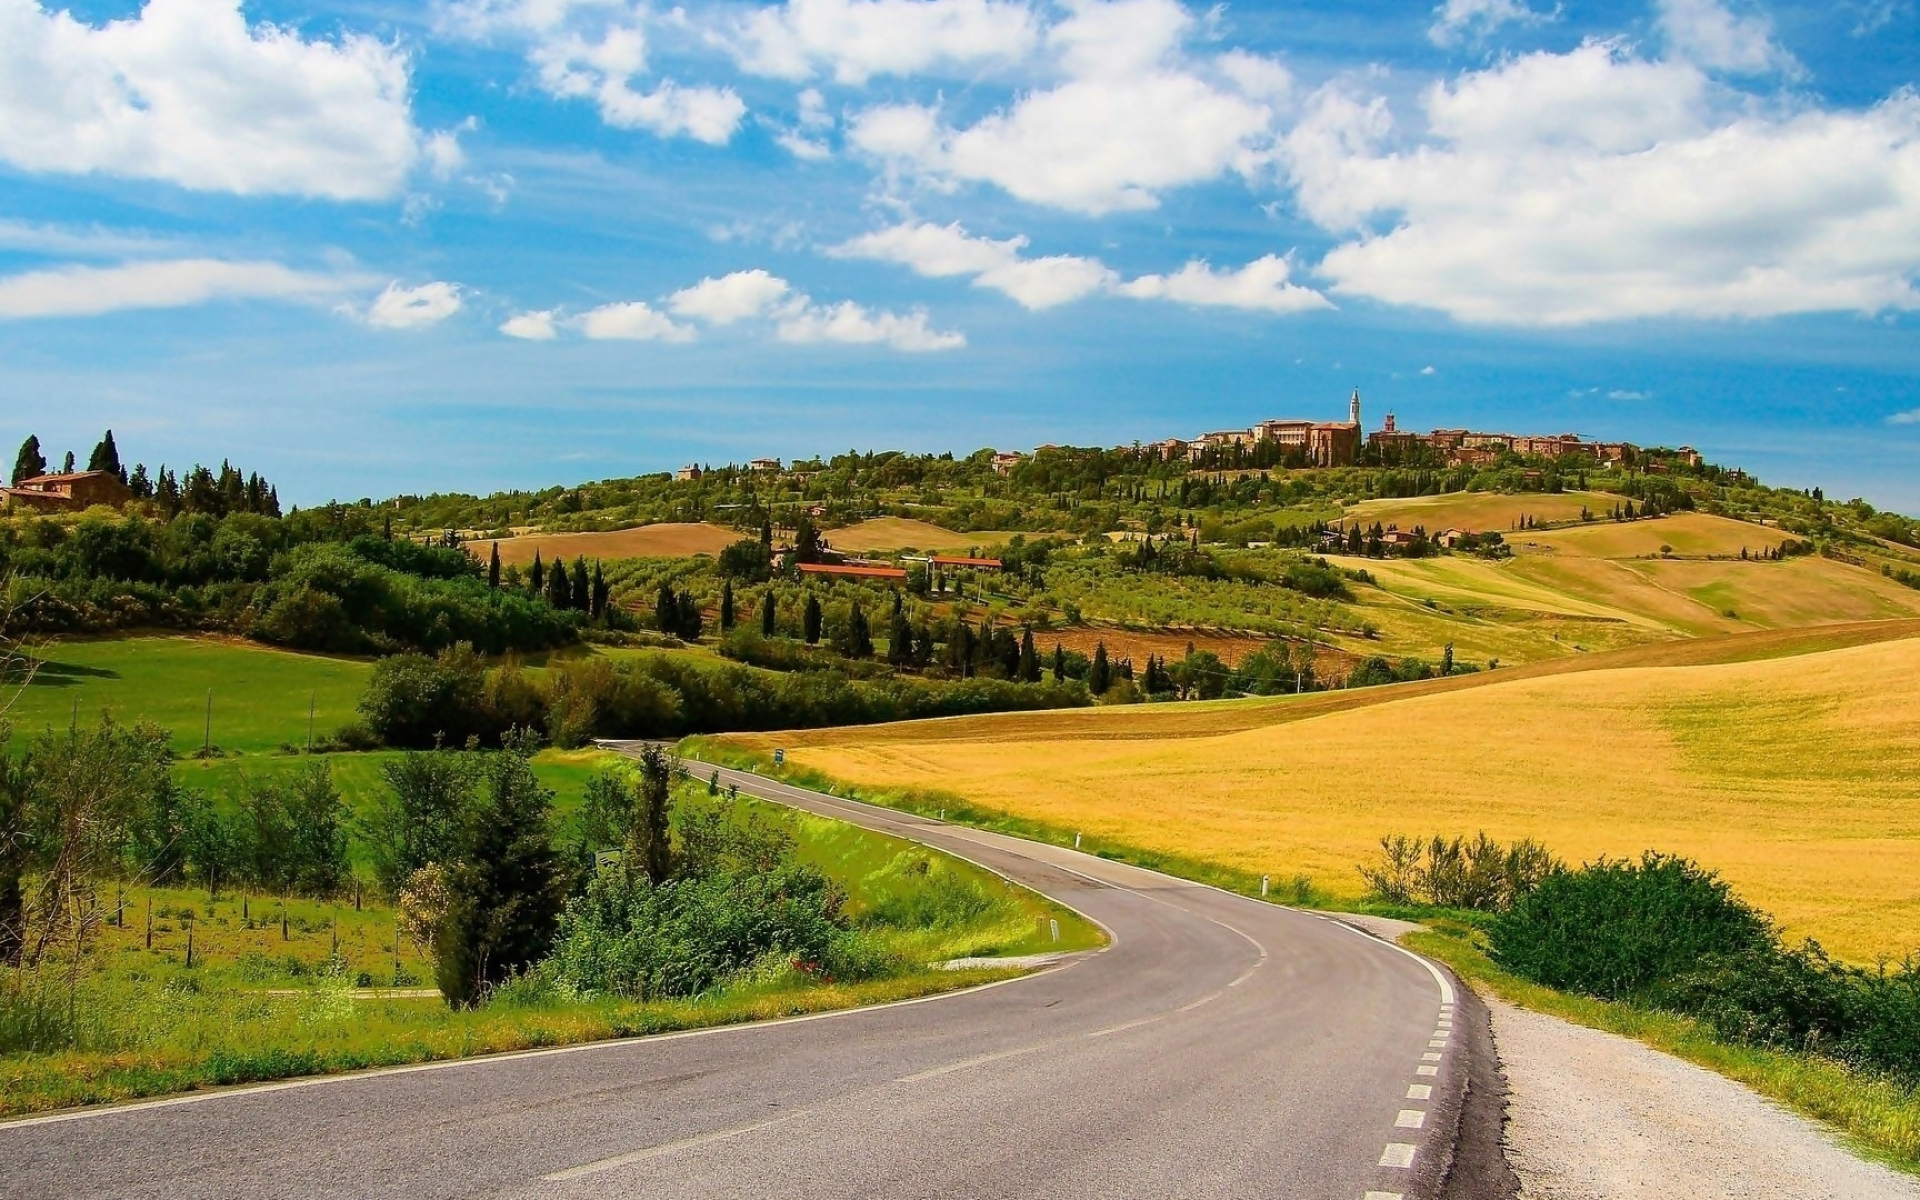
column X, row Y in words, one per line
column 1353, row 408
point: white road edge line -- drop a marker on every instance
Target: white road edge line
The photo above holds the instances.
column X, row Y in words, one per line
column 1410, row 1118
column 1398, row 1154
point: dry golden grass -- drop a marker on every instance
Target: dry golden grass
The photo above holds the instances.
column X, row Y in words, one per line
column 666, row 540
column 899, row 533
column 1792, row 775
column 1480, row 510
column 1691, row 535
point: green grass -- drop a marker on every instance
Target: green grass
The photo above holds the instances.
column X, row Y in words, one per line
column 1879, row 1116
column 260, row 696
column 262, row 999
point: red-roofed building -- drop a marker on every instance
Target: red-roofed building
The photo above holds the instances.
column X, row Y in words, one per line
column 70, row 492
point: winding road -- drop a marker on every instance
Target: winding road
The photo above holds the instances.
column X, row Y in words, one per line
column 1219, row 1047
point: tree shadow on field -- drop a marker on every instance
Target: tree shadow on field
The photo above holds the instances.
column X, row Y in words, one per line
column 45, row 673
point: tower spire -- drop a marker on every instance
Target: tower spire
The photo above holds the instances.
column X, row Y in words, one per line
column 1353, row 407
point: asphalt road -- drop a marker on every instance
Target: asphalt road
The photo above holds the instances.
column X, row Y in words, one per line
column 1220, row 1047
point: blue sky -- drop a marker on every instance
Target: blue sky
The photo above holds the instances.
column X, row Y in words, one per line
column 374, row 248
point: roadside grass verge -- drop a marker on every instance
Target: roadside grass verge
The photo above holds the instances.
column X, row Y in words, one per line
column 282, row 988
column 1879, row 1116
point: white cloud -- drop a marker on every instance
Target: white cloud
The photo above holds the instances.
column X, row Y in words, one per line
column 415, row 307
column 175, row 283
column 854, row 40
column 535, row 326
column 1262, row 285
column 186, row 93
column 1428, row 370
column 939, row 251
column 602, row 69
column 1134, row 115
column 730, row 298
column 1628, row 394
column 1909, row 417
column 1709, row 33
column 80, row 241
column 596, row 50
column 1461, row 20
column 1594, row 186
column 858, row 325
column 743, row 296
column 634, row 321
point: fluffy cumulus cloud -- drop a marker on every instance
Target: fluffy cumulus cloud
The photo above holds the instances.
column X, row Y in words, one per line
column 1261, row 286
column 859, row 325
column 414, row 307
column 79, row 291
column 741, row 296
column 1561, row 189
column 941, row 251
column 188, row 93
column 596, row 50
column 633, row 321
column 1133, row 114
column 854, row 40
column 537, row 326
column 731, row 298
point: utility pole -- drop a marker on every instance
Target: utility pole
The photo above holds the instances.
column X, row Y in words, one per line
column 310, row 703
column 206, row 742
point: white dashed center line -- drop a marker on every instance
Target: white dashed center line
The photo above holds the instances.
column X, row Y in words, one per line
column 1426, row 1070
column 1419, row 1091
column 1382, row 1196
column 1398, row 1154
column 1410, row 1118
column 1430, row 1056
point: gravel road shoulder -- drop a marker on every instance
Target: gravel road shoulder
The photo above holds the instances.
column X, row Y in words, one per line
column 1595, row 1116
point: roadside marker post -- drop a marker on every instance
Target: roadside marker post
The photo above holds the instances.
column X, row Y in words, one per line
column 1076, row 841
column 1263, row 885
column 1053, row 927
column 779, row 758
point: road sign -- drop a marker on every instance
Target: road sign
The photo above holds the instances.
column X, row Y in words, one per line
column 779, row 758
column 605, row 858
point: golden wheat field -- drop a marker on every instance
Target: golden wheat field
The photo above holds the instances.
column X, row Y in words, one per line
column 1498, row 511
column 665, row 540
column 898, row 533
column 1796, row 775
column 1686, row 535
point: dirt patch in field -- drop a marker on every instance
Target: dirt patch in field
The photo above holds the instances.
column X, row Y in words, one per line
column 666, row 540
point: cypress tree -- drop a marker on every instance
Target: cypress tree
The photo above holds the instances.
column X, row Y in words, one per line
column 493, row 568
column 726, row 607
column 559, row 588
column 602, row 592
column 538, row 578
column 899, row 640
column 66, row 464
column 688, row 624
column 1100, row 678
column 1029, row 664
column 582, row 597
column 506, row 883
column 106, row 457
column 810, row 621
column 666, row 609
column 650, row 844
column 767, row 614
column 1059, row 663
column 29, row 462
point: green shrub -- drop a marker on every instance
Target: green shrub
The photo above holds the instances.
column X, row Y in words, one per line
column 1616, row 929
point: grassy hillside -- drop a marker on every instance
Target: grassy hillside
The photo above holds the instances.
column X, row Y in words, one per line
column 260, row 695
column 1789, row 772
column 898, row 533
